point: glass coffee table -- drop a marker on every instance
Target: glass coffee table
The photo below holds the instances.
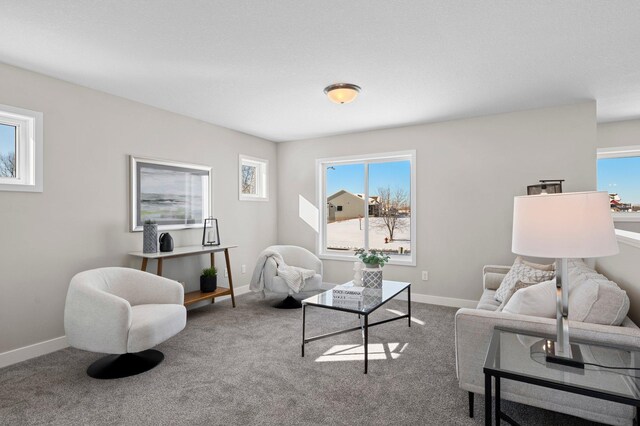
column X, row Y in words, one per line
column 610, row 373
column 371, row 300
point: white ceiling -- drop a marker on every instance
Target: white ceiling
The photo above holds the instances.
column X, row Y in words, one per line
column 260, row 67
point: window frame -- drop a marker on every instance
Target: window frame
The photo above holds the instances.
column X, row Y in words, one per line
column 384, row 157
column 620, row 152
column 29, row 149
column 262, row 178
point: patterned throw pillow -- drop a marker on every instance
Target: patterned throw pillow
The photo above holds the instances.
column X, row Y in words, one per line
column 526, row 272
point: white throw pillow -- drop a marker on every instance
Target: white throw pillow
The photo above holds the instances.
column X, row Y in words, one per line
column 519, row 285
column 598, row 301
column 538, row 300
column 526, row 272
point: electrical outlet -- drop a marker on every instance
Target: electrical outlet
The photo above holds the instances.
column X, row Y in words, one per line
column 244, row 269
column 425, row 275
column 226, row 273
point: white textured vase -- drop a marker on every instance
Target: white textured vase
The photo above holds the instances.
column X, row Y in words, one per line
column 372, row 277
column 357, row 276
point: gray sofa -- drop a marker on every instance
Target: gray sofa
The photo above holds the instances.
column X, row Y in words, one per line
column 473, row 329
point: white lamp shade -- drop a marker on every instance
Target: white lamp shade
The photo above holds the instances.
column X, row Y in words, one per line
column 568, row 225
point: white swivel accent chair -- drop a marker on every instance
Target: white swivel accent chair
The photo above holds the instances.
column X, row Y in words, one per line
column 292, row 256
column 123, row 312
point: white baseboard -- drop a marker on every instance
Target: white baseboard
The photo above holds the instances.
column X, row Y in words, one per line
column 238, row 291
column 439, row 300
column 32, row 351
column 427, row 298
column 48, row 346
column 38, row 349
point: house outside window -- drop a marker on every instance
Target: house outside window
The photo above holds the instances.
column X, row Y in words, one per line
column 619, row 175
column 20, row 149
column 370, row 202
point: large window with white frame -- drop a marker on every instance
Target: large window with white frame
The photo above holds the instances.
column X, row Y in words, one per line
column 20, row 149
column 619, row 175
column 368, row 202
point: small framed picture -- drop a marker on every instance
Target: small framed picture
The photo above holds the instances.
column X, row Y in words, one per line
column 210, row 234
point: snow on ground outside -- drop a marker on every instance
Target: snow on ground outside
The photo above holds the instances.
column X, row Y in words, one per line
column 347, row 234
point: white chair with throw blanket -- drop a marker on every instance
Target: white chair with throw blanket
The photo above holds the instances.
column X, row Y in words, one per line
column 287, row 270
column 123, row 312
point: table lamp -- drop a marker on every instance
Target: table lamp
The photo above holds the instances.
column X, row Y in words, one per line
column 563, row 226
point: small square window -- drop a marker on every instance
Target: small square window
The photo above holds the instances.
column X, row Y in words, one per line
column 339, row 208
column 20, row 149
column 253, row 179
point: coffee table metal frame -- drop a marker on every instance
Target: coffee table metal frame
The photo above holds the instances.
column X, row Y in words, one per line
column 363, row 315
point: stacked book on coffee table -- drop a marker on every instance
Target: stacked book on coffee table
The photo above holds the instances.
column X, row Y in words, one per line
column 348, row 296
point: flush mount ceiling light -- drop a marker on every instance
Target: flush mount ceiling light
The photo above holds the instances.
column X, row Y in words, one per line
column 342, row 93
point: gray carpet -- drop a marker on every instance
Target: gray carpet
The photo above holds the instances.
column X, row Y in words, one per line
column 242, row 366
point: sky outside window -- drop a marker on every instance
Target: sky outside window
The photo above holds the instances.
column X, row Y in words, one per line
column 7, row 150
column 620, row 176
column 350, row 177
column 7, row 139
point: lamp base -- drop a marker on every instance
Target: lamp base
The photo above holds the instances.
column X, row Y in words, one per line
column 573, row 359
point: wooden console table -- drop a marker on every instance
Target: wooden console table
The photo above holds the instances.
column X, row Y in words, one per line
column 193, row 296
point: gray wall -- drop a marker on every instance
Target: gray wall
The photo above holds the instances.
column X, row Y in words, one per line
column 80, row 220
column 468, row 172
column 622, row 268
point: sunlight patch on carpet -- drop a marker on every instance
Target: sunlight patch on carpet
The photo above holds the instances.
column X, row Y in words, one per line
column 413, row 319
column 377, row 351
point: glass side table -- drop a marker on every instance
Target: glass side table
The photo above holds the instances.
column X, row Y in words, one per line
column 610, row 373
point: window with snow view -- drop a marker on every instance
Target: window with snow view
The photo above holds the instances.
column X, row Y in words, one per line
column 369, row 202
column 619, row 175
column 20, row 149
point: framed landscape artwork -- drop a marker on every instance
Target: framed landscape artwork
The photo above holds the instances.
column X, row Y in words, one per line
column 174, row 195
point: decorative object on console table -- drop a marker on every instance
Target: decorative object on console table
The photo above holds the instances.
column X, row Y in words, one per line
column 166, row 242
column 210, row 234
column 150, row 237
column 209, row 280
column 563, row 226
column 374, row 260
column 179, row 252
column 546, row 186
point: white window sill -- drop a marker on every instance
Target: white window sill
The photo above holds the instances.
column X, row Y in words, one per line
column 628, row 237
column 353, row 258
column 250, row 198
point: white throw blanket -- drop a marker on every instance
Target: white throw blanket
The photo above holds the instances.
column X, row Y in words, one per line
column 293, row 276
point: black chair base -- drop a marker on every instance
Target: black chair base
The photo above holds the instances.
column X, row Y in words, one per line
column 288, row 303
column 125, row 365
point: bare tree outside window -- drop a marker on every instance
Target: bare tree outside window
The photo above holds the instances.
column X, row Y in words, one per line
column 249, row 179
column 8, row 165
column 394, row 210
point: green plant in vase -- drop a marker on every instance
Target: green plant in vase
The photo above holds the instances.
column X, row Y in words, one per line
column 373, row 258
column 210, row 272
column 209, row 280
